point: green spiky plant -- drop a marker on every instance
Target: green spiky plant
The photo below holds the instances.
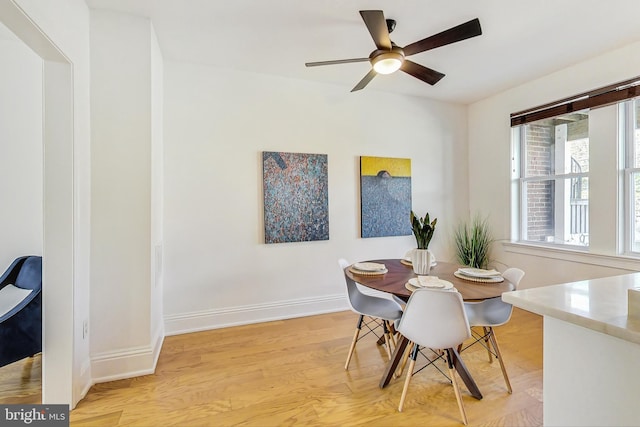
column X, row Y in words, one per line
column 423, row 229
column 473, row 242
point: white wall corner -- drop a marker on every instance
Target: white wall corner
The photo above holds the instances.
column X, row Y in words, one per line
column 128, row 363
column 248, row 314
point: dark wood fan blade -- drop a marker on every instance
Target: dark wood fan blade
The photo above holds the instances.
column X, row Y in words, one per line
column 423, row 73
column 365, row 81
column 337, row 61
column 377, row 26
column 452, row 35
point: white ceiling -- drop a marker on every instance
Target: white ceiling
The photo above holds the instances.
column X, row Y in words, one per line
column 521, row 40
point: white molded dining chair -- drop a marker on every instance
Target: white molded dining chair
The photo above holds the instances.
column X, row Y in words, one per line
column 435, row 319
column 488, row 314
column 380, row 312
column 369, row 291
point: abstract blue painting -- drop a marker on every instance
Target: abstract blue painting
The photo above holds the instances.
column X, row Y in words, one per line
column 385, row 196
column 296, row 197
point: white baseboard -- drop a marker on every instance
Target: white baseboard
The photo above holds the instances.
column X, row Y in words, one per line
column 127, row 363
column 83, row 384
column 136, row 361
column 214, row 319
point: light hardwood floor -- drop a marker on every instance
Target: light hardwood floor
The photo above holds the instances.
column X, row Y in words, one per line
column 291, row 373
column 20, row 382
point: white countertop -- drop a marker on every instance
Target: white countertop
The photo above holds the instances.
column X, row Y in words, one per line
column 597, row 304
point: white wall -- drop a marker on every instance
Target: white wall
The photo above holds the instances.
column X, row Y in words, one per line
column 212, row 192
column 126, row 104
column 217, row 270
column 489, row 169
column 20, row 152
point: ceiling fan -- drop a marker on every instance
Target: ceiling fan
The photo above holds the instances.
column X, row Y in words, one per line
column 389, row 57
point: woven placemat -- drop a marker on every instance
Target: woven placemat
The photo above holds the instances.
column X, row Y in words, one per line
column 367, row 273
column 410, row 287
column 496, row 279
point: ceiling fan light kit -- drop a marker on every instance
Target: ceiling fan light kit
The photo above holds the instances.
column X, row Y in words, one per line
column 387, row 62
column 389, row 58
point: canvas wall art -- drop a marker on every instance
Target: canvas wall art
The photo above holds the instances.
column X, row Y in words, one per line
column 385, row 195
column 296, row 197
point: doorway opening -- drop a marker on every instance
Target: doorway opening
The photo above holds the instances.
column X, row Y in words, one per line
column 58, row 214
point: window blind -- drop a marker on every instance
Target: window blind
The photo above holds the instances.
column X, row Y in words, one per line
column 600, row 97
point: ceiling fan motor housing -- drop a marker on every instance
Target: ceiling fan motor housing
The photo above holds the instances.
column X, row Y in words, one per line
column 391, row 25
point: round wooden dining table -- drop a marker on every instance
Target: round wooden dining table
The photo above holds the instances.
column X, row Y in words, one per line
column 394, row 281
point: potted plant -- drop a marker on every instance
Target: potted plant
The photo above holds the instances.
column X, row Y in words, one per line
column 473, row 242
column 423, row 230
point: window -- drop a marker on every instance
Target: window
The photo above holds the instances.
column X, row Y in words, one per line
column 553, row 181
column 553, row 201
column 630, row 136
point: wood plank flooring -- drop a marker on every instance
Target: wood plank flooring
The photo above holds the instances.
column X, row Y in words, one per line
column 21, row 382
column 291, row 373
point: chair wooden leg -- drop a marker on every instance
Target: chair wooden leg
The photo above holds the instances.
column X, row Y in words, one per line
column 392, row 334
column 407, row 381
column 353, row 342
column 26, row 368
column 387, row 338
column 494, row 342
column 405, row 357
column 456, row 389
column 487, row 335
column 406, row 384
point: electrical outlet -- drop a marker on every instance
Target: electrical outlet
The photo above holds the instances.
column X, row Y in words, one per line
column 85, row 329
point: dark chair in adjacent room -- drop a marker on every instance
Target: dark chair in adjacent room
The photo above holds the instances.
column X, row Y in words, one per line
column 21, row 310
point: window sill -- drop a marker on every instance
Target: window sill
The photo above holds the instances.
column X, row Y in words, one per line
column 574, row 255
